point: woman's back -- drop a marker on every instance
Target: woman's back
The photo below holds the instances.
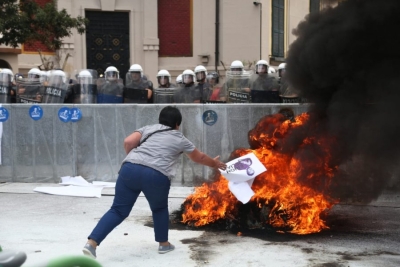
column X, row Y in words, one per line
column 161, row 150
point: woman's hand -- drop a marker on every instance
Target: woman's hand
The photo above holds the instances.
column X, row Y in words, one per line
column 199, row 157
column 219, row 164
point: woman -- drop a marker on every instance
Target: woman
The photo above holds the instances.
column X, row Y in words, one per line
column 152, row 153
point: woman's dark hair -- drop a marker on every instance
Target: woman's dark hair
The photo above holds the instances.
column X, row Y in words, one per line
column 170, row 116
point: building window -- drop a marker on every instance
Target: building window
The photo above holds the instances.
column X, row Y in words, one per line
column 315, row 5
column 175, row 28
column 278, row 28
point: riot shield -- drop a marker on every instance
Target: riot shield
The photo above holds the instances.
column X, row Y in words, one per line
column 164, row 95
column 289, row 94
column 237, row 87
column 110, row 91
column 138, row 96
column 264, row 88
column 85, row 92
column 29, row 91
column 5, row 88
column 205, row 91
column 56, row 89
column 135, row 91
column 293, row 99
column 187, row 94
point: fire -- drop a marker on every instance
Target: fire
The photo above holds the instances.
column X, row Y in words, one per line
column 294, row 191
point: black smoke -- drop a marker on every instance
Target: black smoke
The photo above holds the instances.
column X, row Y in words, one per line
column 346, row 60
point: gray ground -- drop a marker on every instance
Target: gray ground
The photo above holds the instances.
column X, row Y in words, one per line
column 48, row 226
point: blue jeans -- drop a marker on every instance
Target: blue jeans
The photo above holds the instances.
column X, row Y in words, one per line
column 133, row 179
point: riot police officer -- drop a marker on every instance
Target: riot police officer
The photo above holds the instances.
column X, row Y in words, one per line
column 237, row 86
column 85, row 91
column 135, row 86
column 282, row 81
column 6, row 83
column 110, row 88
column 287, row 92
column 164, row 79
column 212, row 80
column 188, row 93
column 201, row 74
column 264, row 86
column 56, row 88
column 166, row 90
column 30, row 89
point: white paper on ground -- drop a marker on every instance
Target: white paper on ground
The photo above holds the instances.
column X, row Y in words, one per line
column 241, row 173
column 76, row 186
column 76, row 191
column 74, row 180
column 80, row 181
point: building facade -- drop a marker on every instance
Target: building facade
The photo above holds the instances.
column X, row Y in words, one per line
column 171, row 34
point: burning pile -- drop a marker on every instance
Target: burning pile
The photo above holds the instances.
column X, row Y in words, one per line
column 290, row 196
column 345, row 61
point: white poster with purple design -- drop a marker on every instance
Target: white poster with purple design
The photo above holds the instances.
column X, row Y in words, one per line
column 241, row 173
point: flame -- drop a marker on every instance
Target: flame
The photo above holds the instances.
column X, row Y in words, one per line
column 295, row 187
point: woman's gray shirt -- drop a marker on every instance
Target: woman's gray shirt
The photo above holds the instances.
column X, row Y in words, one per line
column 161, row 150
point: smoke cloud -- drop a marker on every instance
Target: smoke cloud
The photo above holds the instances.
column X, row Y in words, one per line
column 346, row 60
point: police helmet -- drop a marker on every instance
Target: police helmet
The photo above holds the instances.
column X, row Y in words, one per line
column 213, row 75
column 163, row 74
column 237, row 64
column 84, row 74
column 260, row 65
column 61, row 74
column 179, row 79
column 186, row 74
column 34, row 73
column 9, row 73
column 111, row 73
column 136, row 68
column 201, row 72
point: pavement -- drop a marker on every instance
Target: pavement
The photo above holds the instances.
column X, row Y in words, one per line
column 49, row 226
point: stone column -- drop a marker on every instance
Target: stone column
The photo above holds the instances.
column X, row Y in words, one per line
column 150, row 39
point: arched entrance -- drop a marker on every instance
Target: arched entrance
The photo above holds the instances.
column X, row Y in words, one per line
column 4, row 64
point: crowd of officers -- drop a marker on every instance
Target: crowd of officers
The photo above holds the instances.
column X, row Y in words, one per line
column 260, row 85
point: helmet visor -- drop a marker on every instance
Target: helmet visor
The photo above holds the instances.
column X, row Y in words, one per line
column 163, row 80
column 187, row 78
column 262, row 68
column 33, row 76
column 200, row 75
column 135, row 75
column 112, row 75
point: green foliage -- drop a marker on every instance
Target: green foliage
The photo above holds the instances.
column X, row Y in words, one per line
column 25, row 21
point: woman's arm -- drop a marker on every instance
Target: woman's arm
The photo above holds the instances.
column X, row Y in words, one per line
column 202, row 158
column 132, row 141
